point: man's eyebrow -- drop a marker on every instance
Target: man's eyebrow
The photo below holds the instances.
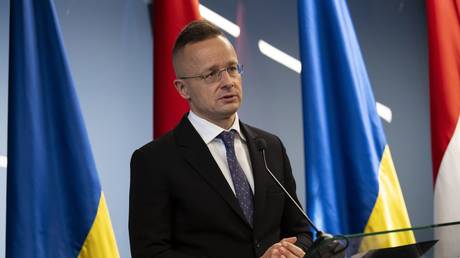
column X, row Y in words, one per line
column 233, row 62
column 212, row 68
column 216, row 67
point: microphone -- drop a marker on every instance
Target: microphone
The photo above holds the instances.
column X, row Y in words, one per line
column 261, row 146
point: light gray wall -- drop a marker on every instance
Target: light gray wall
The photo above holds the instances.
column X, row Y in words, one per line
column 108, row 43
column 109, row 46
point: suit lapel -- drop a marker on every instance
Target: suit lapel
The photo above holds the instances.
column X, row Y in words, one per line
column 200, row 158
column 259, row 173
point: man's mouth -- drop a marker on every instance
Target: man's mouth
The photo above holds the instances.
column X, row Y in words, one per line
column 228, row 97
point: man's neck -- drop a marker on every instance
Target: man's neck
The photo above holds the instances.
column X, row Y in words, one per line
column 227, row 123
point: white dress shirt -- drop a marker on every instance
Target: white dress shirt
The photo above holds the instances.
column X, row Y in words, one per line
column 209, row 131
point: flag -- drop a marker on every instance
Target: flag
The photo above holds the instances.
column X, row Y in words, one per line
column 444, row 54
column 55, row 206
column 351, row 183
column 170, row 16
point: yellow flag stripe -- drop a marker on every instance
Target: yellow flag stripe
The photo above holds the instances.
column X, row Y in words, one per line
column 100, row 242
column 389, row 211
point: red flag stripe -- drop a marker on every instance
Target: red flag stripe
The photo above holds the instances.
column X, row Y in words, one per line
column 444, row 57
column 170, row 16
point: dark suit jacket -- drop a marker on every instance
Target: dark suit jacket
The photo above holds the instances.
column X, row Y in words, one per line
column 182, row 206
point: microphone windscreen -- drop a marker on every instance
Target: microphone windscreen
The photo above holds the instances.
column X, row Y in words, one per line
column 261, row 144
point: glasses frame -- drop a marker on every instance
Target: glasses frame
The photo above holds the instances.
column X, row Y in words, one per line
column 210, row 78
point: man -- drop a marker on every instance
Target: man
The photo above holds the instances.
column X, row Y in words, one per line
column 202, row 189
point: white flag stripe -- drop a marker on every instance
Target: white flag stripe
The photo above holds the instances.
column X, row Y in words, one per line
column 446, row 194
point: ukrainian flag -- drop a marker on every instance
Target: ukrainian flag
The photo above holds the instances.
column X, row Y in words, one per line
column 55, row 206
column 351, row 181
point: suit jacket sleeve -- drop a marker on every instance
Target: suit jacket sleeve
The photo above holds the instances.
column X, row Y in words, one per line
column 149, row 218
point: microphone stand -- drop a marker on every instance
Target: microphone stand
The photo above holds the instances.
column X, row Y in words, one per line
column 320, row 236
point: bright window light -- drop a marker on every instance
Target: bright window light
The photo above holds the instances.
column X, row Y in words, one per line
column 220, row 21
column 279, row 56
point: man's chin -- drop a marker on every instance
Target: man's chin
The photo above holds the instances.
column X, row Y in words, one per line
column 230, row 109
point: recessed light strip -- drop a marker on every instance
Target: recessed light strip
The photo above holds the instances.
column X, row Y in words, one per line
column 220, row 21
column 384, row 112
column 3, row 161
column 280, row 57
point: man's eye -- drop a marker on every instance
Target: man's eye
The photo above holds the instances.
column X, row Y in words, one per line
column 211, row 74
column 232, row 69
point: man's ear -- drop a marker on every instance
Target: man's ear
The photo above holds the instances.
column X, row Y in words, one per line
column 181, row 88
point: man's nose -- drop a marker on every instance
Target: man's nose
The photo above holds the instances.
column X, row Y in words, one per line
column 225, row 78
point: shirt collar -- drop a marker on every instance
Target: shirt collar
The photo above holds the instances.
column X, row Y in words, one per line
column 209, row 131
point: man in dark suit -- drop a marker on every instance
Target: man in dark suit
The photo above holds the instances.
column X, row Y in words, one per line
column 202, row 189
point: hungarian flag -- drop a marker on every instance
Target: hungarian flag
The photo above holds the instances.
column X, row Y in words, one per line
column 170, row 16
column 444, row 54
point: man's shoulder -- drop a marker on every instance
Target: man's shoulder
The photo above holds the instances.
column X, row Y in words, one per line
column 162, row 143
column 257, row 131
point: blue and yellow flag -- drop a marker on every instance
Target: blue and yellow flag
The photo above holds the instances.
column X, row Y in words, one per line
column 351, row 182
column 55, row 206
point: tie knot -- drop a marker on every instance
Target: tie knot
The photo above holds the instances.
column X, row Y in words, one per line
column 227, row 137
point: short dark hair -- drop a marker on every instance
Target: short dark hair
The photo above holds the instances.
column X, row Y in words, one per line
column 196, row 31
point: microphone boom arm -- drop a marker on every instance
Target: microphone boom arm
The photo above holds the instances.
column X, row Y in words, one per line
column 319, row 233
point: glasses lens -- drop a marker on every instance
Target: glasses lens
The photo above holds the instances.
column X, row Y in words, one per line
column 240, row 68
column 214, row 76
column 233, row 70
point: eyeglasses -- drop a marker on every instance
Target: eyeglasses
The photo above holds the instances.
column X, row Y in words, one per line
column 216, row 75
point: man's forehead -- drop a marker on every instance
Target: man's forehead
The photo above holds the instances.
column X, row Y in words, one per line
column 210, row 45
column 208, row 53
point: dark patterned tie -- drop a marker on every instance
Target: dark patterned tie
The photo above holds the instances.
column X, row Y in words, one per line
column 240, row 182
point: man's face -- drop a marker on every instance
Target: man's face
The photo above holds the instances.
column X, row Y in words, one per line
column 215, row 101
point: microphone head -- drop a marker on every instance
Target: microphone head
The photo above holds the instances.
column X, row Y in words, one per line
column 261, row 144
